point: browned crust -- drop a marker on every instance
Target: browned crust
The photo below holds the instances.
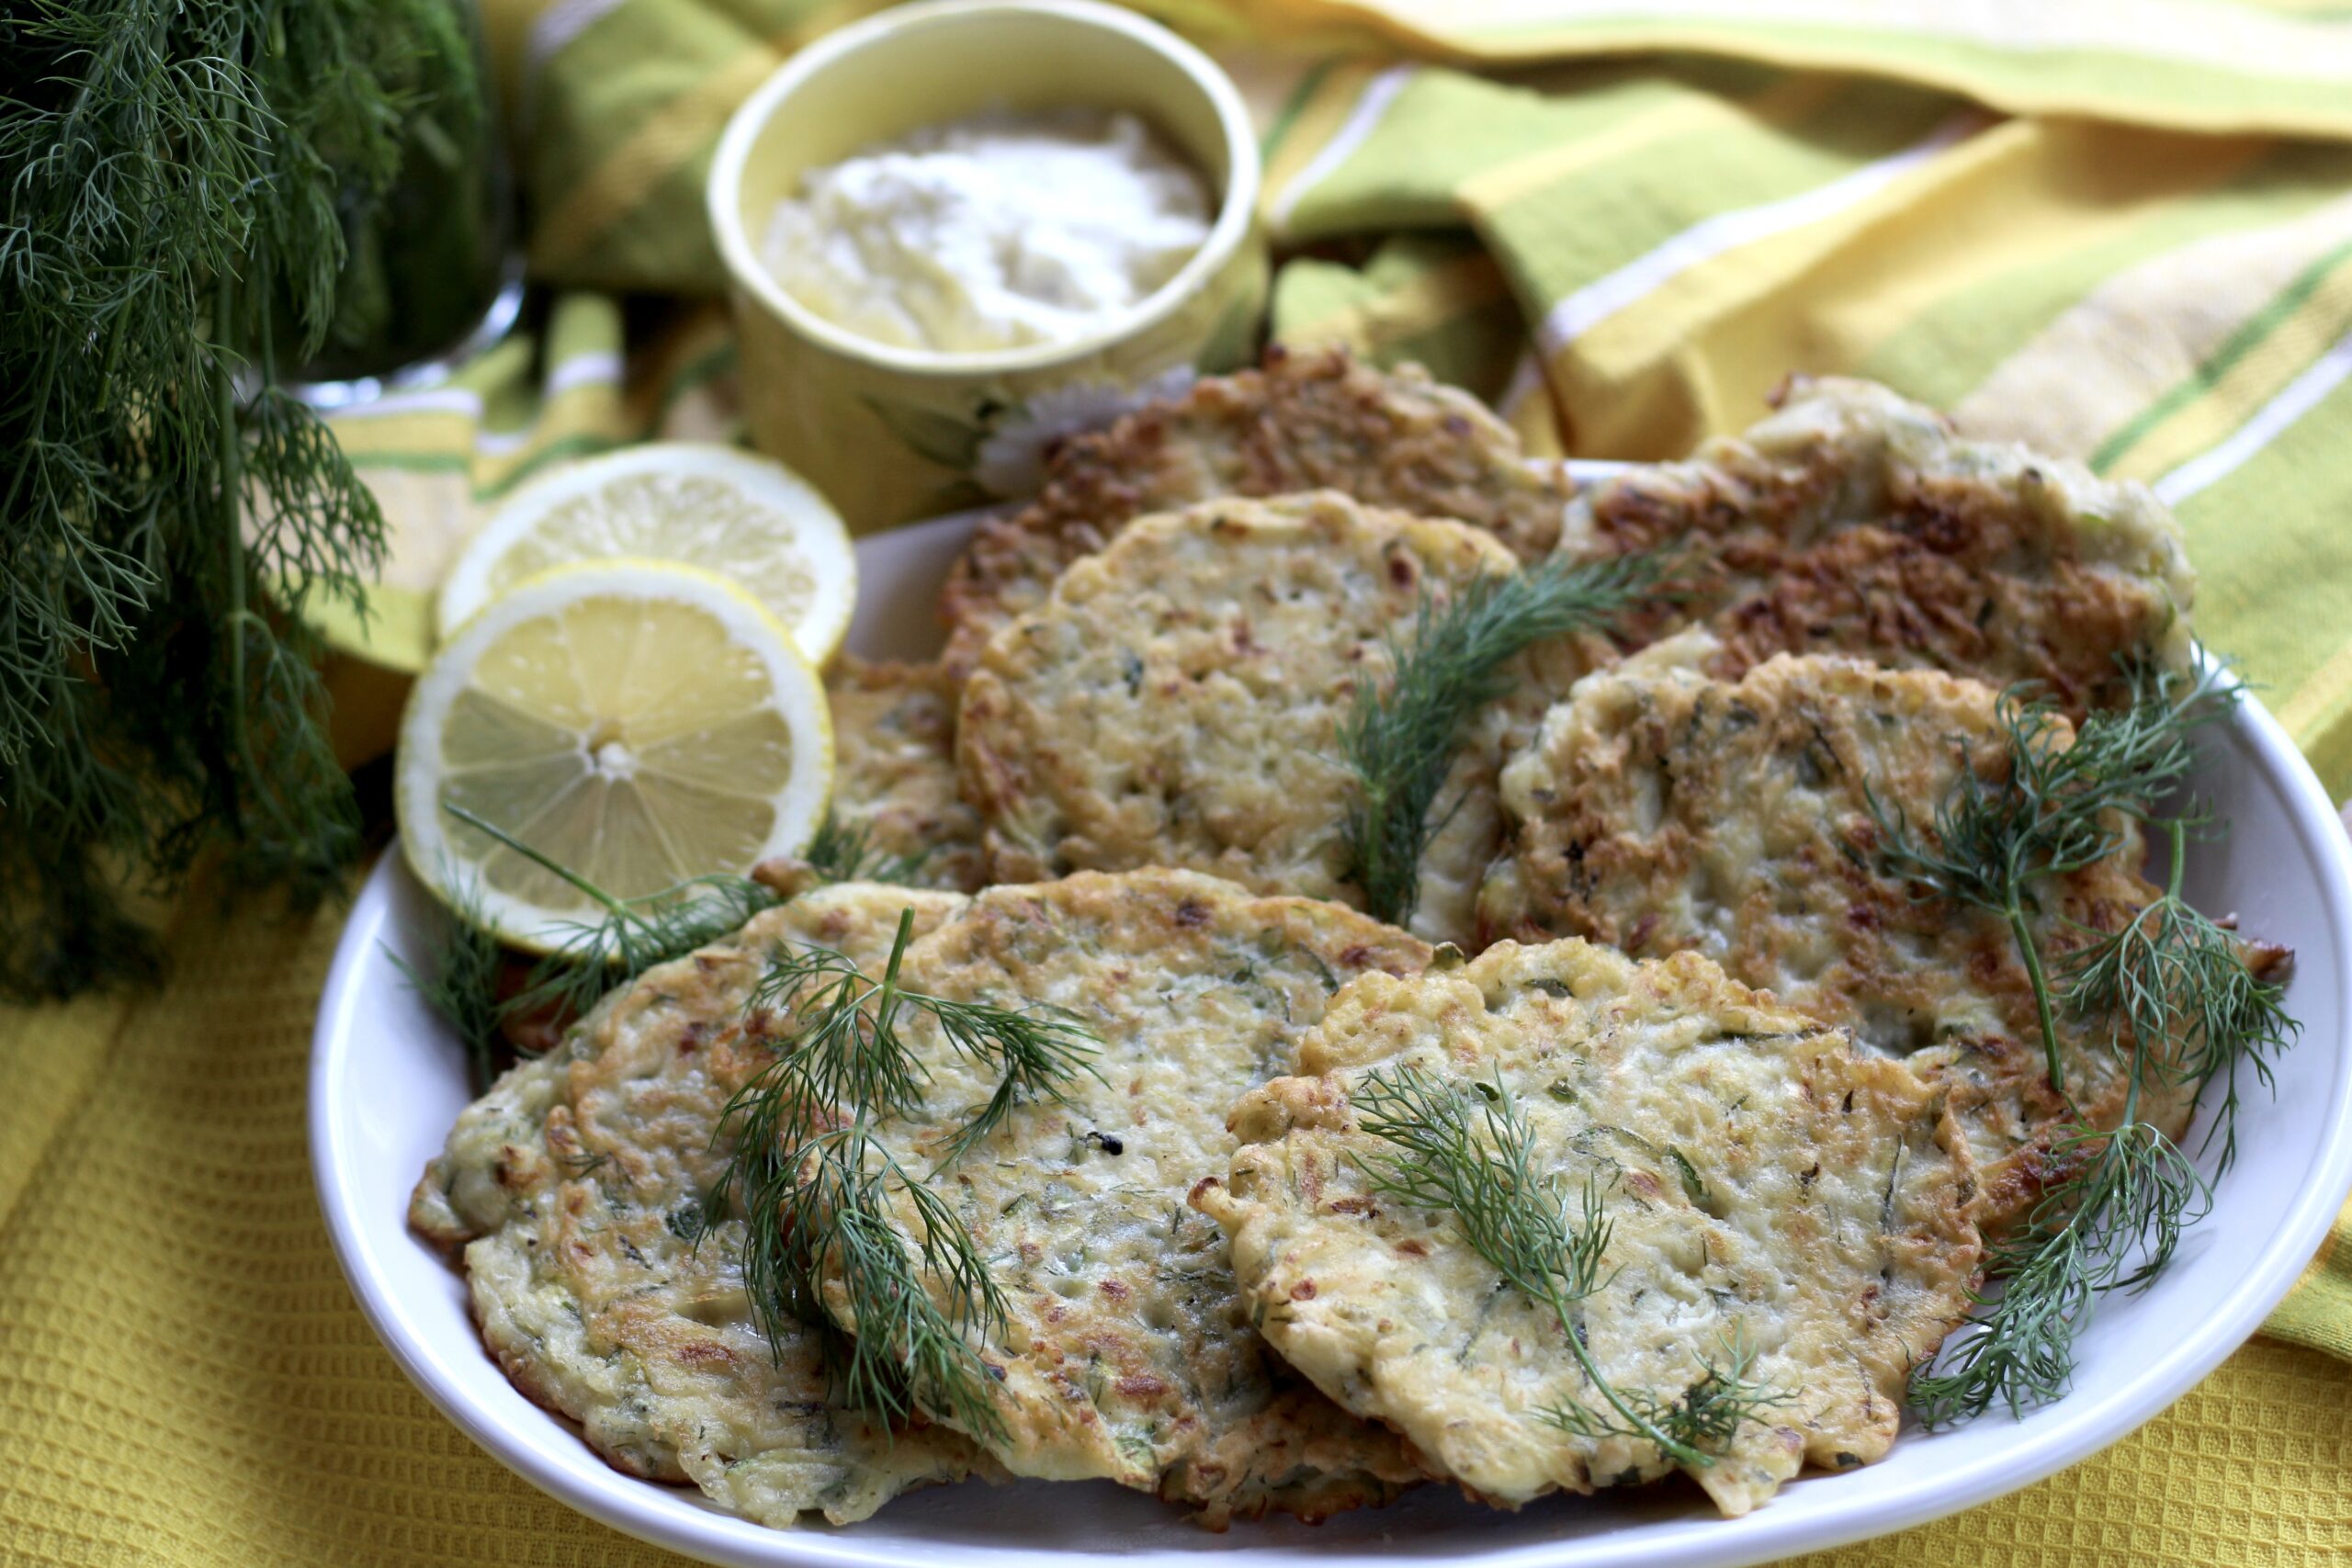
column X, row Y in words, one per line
column 1302, row 421
column 1943, row 554
column 528, row 1378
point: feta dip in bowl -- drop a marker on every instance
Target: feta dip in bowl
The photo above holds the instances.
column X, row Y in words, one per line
column 958, row 229
column 996, row 231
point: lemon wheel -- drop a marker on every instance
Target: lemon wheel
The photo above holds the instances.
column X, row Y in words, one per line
column 697, row 505
column 636, row 722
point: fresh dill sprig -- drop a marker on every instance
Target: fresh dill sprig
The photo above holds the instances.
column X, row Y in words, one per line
column 822, row 1191
column 2057, row 811
column 2172, row 973
column 2113, row 1226
column 2176, row 994
column 1473, row 1155
column 1706, row 1417
column 1400, row 736
column 2171, row 989
column 634, row 935
column 850, row 1029
column 816, row 1188
column 849, row 854
column 460, row 982
column 179, row 179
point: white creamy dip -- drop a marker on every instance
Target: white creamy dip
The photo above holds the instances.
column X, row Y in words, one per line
column 994, row 232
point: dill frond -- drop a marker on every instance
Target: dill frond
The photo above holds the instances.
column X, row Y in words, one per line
column 460, row 982
column 2172, row 975
column 848, row 855
column 2057, row 811
column 1473, row 1155
column 817, row 1198
column 2170, row 988
column 634, row 935
column 1400, row 736
column 823, row 1193
column 2112, row 1227
column 1706, row 1417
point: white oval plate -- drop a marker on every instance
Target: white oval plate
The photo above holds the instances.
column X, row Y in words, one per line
column 387, row 1081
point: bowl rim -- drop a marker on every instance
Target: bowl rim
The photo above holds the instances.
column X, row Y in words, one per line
column 1235, row 217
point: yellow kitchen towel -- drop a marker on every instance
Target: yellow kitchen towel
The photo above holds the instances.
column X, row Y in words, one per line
column 187, row 1381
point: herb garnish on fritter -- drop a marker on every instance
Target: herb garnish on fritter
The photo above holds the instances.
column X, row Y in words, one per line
column 1476, row 1160
column 818, row 1189
column 1401, row 736
column 2176, row 993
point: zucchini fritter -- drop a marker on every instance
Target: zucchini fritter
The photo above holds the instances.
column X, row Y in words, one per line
column 1854, row 521
column 1177, row 701
column 1770, row 1192
column 576, row 1189
column 894, row 768
column 1304, row 421
column 1664, row 811
column 1128, row 1354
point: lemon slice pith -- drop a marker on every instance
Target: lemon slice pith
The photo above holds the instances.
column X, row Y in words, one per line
column 637, row 722
column 699, row 505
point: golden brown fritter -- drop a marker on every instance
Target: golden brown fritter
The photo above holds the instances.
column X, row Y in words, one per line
column 1126, row 1354
column 894, row 768
column 1304, row 421
column 1664, row 811
column 578, row 1190
column 1768, row 1189
column 1177, row 701
column 1853, row 521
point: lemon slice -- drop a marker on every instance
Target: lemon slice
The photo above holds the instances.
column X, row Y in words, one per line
column 637, row 722
column 754, row 521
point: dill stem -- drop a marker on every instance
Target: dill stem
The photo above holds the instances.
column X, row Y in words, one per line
column 2176, row 828
column 2028, row 950
column 1680, row 1453
column 553, row 867
column 885, row 999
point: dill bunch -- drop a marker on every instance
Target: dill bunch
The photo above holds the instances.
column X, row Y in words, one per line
column 822, row 1193
column 1400, row 738
column 180, row 176
column 1473, row 1155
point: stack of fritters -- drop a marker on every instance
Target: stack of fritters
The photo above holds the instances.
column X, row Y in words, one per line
column 1796, row 1090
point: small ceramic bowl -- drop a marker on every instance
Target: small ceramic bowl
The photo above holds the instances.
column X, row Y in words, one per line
column 891, row 434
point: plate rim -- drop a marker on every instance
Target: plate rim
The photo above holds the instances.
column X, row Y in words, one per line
column 718, row 1538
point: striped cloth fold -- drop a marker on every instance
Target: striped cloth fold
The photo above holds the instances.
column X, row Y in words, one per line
column 1653, row 250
